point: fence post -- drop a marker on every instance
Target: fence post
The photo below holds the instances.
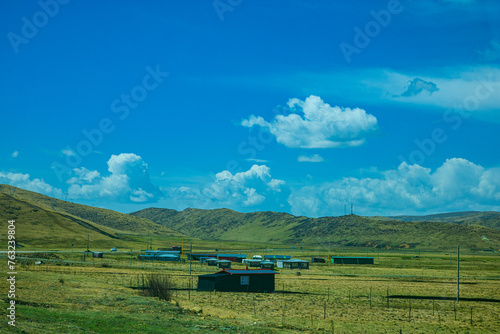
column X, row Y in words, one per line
column 324, row 311
column 370, row 297
column 387, row 295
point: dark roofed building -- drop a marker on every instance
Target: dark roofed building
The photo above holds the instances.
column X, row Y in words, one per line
column 352, row 260
column 294, row 264
column 238, row 280
column 275, row 258
column 232, row 257
column 224, row 264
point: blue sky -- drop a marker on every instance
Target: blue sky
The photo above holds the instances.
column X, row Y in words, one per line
column 297, row 106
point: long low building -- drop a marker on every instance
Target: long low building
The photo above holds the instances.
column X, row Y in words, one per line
column 238, row 280
column 232, row 257
column 352, row 260
column 159, row 257
column 197, row 256
column 293, row 264
column 275, row 258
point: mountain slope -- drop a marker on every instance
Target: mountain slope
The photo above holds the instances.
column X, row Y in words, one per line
column 115, row 220
column 348, row 230
column 37, row 225
column 487, row 218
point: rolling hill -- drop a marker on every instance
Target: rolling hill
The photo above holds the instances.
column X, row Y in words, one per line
column 104, row 217
column 350, row 230
column 50, row 222
column 487, row 218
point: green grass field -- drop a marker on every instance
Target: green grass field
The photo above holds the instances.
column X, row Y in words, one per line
column 65, row 295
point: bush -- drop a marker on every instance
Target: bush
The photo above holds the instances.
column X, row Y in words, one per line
column 160, row 286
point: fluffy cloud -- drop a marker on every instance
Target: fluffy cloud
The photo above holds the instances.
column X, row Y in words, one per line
column 417, row 86
column 457, row 185
column 24, row 181
column 312, row 158
column 15, row 154
column 242, row 191
column 128, row 182
column 316, row 124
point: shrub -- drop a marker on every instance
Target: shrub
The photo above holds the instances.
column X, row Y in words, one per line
column 160, row 286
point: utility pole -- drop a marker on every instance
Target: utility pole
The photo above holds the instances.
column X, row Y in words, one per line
column 131, row 256
column 190, row 258
column 88, row 240
column 458, row 273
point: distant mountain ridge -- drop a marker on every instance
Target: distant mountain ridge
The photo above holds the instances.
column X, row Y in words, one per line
column 483, row 218
column 350, row 230
column 55, row 221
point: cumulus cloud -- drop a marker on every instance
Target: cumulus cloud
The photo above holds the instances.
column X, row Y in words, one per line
column 24, row 181
column 417, row 86
column 312, row 158
column 247, row 190
column 15, row 154
column 128, row 181
column 457, row 185
column 315, row 124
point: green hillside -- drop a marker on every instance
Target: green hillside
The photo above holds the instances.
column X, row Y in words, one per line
column 37, row 225
column 487, row 218
column 104, row 217
column 350, row 230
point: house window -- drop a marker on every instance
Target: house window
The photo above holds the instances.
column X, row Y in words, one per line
column 244, row 280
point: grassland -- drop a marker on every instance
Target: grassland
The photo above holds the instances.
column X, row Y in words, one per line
column 350, row 230
column 415, row 265
column 65, row 295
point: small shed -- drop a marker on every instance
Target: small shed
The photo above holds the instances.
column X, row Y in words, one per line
column 238, row 280
column 97, row 254
column 352, row 260
column 211, row 261
column 252, row 263
column 267, row 265
column 294, row 264
column 224, row 264
column 318, row 260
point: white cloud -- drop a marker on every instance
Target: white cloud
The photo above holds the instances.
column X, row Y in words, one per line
column 128, row 182
column 15, row 154
column 24, row 181
column 68, row 152
column 457, row 185
column 83, row 175
column 242, row 191
column 257, row 160
column 316, row 124
column 312, row 158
